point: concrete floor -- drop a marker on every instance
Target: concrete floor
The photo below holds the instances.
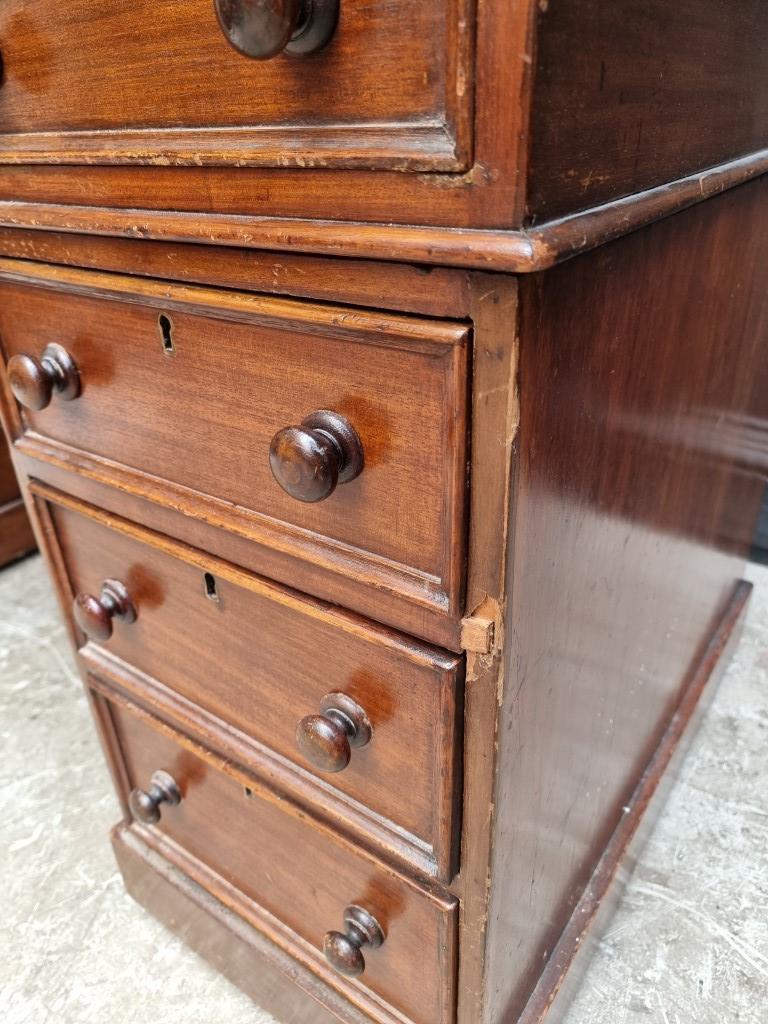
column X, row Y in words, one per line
column 688, row 946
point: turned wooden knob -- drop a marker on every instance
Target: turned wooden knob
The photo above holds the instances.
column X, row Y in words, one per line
column 94, row 615
column 264, row 28
column 34, row 381
column 145, row 804
column 343, row 950
column 308, row 461
column 326, row 740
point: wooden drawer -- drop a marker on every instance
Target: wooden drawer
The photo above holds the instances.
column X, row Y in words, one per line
column 300, row 876
column 89, row 82
column 244, row 661
column 183, row 389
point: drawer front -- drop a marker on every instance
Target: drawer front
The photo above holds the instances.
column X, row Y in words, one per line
column 302, row 876
column 88, row 81
column 182, row 392
column 261, row 659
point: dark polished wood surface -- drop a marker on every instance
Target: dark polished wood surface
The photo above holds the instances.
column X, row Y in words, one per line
column 525, row 107
column 567, row 965
column 401, row 577
column 34, row 382
column 597, row 512
column 260, row 659
column 396, row 89
column 403, row 287
column 327, row 739
column 95, row 616
column 361, row 101
column 308, row 891
column 508, row 251
column 269, row 28
column 205, row 379
column 631, row 95
column 231, row 945
column 310, row 460
column 646, row 349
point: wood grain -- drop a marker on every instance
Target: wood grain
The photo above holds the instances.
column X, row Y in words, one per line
column 634, row 360
column 492, row 35
column 566, row 966
column 514, row 251
column 258, row 659
column 308, row 891
column 397, row 286
column 185, row 96
column 628, row 96
column 270, row 975
column 559, row 471
column 197, row 422
column 549, row 108
column 64, row 469
column 495, row 419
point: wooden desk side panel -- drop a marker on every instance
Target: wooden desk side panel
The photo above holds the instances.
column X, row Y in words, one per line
column 637, row 365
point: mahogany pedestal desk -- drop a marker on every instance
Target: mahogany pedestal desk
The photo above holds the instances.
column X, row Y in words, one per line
column 379, row 373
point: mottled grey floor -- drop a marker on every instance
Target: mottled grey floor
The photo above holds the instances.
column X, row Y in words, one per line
column 688, row 946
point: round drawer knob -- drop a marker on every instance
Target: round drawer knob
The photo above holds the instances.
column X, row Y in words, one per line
column 264, row 28
column 94, row 615
column 343, row 950
column 326, row 739
column 34, row 381
column 145, row 804
column 308, row 461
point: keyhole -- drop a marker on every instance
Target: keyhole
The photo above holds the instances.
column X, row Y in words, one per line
column 210, row 587
column 166, row 334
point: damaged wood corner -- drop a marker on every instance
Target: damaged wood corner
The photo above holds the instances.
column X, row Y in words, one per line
column 477, row 634
column 481, row 631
